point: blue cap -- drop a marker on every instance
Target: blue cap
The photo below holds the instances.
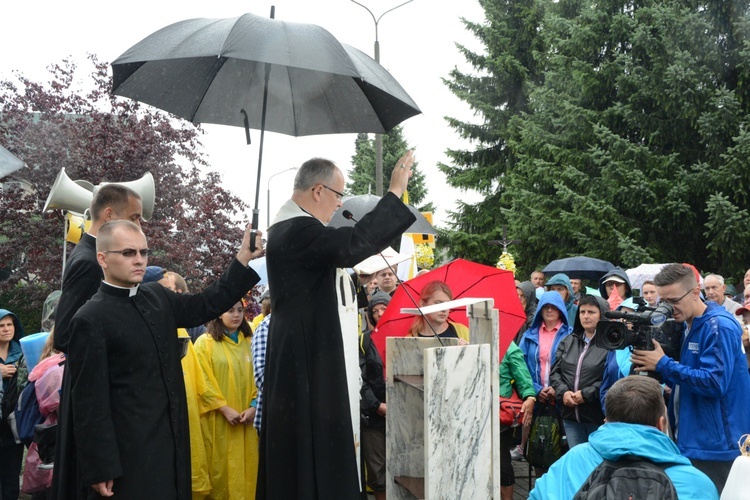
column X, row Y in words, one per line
column 153, row 273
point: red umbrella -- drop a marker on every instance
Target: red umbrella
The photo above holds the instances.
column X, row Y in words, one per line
column 465, row 279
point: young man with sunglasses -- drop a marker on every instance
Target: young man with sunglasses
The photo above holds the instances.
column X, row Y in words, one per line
column 127, row 393
column 710, row 384
column 81, row 280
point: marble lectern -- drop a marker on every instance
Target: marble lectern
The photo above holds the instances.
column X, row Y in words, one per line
column 442, row 432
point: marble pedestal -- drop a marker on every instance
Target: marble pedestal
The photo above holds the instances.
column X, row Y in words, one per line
column 439, row 422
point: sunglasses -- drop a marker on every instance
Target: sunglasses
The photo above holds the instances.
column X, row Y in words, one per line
column 129, row 253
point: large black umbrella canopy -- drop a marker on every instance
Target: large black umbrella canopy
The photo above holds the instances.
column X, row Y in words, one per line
column 261, row 73
column 207, row 70
column 365, row 203
column 579, row 267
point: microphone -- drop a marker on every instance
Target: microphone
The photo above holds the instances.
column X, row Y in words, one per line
column 349, row 216
column 617, row 315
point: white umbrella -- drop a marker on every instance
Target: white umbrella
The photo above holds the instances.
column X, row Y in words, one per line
column 644, row 272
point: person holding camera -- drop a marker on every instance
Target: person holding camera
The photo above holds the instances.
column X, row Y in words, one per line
column 711, row 386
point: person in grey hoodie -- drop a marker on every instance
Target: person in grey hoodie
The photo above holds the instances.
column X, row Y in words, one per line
column 527, row 295
column 560, row 283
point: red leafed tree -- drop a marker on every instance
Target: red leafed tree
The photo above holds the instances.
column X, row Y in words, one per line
column 97, row 137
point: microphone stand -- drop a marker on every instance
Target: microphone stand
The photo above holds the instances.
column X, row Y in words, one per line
column 348, row 215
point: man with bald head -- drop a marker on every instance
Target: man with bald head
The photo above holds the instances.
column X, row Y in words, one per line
column 714, row 286
column 127, row 392
column 310, row 415
column 81, row 280
column 82, row 272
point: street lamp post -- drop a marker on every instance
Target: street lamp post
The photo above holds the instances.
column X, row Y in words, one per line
column 379, row 137
column 268, row 195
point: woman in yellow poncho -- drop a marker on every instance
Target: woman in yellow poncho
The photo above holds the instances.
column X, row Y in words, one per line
column 228, row 406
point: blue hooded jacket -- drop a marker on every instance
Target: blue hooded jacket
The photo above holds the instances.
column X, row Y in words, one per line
column 613, row 441
column 714, row 387
column 570, row 304
column 14, row 356
column 530, row 341
column 14, row 350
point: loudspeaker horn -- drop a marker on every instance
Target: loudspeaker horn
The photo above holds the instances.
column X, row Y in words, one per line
column 68, row 195
column 144, row 187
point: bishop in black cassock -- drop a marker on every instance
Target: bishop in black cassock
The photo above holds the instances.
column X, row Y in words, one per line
column 307, row 447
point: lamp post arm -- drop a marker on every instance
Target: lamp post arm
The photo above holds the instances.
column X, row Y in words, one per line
column 389, row 10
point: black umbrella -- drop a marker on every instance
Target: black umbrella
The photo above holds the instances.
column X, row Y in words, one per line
column 580, row 267
column 238, row 71
column 362, row 204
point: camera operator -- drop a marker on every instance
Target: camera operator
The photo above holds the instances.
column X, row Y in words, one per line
column 711, row 385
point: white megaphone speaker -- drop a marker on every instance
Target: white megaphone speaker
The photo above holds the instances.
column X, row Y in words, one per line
column 69, row 195
column 144, row 187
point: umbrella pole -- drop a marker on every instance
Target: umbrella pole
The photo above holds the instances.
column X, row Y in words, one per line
column 254, row 230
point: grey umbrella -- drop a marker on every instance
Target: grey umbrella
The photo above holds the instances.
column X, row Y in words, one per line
column 8, row 162
column 261, row 73
column 362, row 204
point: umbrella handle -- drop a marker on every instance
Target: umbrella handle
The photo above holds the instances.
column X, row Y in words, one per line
column 247, row 125
column 254, row 230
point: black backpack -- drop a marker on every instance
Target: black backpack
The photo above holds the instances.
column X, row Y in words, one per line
column 630, row 478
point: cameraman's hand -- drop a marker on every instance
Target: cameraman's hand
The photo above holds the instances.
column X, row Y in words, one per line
column 647, row 360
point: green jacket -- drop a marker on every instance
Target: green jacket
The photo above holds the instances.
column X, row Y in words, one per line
column 513, row 371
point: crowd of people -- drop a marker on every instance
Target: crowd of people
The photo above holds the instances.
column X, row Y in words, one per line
column 162, row 393
column 703, row 384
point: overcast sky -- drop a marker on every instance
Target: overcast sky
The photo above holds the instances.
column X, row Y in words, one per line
column 417, row 45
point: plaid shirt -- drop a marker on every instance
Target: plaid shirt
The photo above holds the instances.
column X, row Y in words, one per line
column 258, row 349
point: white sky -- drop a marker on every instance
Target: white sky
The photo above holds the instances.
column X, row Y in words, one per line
column 417, row 45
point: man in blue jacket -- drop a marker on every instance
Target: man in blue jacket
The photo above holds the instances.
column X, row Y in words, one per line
column 636, row 426
column 710, row 385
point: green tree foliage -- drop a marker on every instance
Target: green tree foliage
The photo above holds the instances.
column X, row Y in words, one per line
column 498, row 94
column 98, row 138
column 633, row 145
column 362, row 175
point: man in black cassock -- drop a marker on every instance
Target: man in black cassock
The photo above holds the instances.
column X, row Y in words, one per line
column 81, row 280
column 128, row 396
column 307, row 441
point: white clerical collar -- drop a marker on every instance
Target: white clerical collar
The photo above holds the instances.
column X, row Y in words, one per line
column 132, row 290
column 290, row 210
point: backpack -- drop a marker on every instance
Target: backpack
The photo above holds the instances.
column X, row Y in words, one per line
column 630, row 477
column 27, row 414
column 545, row 443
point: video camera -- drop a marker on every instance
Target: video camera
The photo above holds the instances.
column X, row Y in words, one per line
column 638, row 329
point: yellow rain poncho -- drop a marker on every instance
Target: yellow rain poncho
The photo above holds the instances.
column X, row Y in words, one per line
column 232, row 451
column 195, row 386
